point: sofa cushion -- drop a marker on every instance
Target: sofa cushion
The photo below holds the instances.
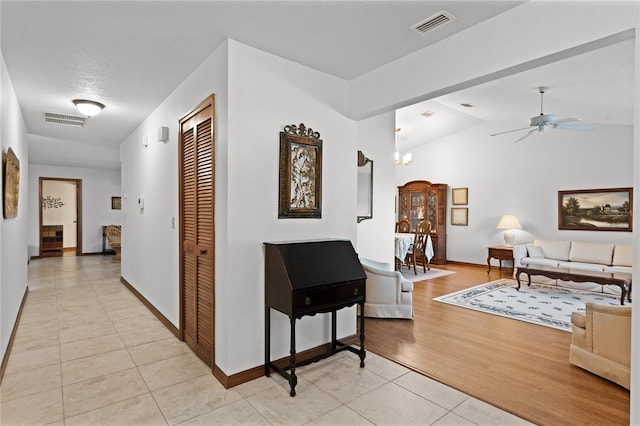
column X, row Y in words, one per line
column 623, row 255
column 534, row 251
column 582, row 266
column 554, row 249
column 540, row 261
column 591, row 252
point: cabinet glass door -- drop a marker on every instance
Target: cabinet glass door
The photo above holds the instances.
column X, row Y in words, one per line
column 432, row 207
column 417, row 208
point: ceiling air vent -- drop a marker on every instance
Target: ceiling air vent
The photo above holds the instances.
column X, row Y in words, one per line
column 64, row 119
column 433, row 22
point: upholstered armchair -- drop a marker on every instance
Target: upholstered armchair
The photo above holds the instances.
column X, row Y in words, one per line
column 389, row 295
column 601, row 341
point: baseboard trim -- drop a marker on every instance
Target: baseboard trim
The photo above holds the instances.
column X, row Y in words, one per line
column 172, row 328
column 5, row 358
column 257, row 372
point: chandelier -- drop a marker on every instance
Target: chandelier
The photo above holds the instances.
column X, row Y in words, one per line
column 401, row 160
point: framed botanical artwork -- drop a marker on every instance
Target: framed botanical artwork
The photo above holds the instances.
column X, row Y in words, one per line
column 460, row 216
column 596, row 209
column 116, row 203
column 459, row 196
column 11, row 190
column 300, row 182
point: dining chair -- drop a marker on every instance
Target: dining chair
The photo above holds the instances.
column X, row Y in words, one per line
column 417, row 250
column 403, row 226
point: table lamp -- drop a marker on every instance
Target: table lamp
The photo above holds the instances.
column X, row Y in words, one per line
column 508, row 223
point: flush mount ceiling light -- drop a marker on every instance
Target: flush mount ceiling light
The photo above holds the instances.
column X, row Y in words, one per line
column 88, row 108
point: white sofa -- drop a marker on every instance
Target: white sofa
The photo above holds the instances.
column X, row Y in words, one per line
column 588, row 256
column 388, row 294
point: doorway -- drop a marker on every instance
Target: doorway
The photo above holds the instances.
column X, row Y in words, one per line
column 60, row 217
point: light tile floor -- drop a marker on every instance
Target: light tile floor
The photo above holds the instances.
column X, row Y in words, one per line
column 87, row 352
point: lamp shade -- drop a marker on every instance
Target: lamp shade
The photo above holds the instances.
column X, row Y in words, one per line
column 509, row 222
column 87, row 107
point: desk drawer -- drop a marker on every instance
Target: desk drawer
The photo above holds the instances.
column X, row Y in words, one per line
column 329, row 297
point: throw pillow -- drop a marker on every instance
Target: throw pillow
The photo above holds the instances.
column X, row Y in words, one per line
column 534, row 251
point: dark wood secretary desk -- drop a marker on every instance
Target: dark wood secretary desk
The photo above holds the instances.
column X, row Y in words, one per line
column 306, row 278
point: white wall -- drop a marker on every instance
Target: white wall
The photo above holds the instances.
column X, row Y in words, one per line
column 98, row 186
column 13, row 232
column 149, row 241
column 522, row 179
column 376, row 140
column 265, row 93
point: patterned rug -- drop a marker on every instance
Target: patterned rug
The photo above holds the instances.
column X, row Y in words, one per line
column 540, row 304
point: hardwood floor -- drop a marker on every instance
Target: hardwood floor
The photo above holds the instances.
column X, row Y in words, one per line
column 519, row 367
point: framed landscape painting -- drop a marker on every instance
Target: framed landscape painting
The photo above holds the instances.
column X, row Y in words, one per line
column 596, row 209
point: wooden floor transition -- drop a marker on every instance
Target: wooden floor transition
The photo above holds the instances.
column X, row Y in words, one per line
column 519, row 367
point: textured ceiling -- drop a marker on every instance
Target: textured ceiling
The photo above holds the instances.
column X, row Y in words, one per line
column 131, row 55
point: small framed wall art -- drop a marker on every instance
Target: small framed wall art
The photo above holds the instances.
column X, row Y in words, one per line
column 300, row 181
column 11, row 190
column 459, row 196
column 460, row 216
column 116, row 203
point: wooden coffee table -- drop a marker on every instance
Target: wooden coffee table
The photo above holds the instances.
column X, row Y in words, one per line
column 605, row 278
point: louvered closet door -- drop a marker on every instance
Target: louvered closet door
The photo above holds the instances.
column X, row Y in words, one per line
column 197, row 229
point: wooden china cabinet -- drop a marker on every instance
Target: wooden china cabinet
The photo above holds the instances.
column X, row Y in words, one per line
column 421, row 199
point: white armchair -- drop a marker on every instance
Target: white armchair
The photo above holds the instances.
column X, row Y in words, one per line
column 389, row 295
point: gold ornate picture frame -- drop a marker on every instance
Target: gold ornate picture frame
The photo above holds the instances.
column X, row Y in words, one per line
column 300, row 180
column 11, row 170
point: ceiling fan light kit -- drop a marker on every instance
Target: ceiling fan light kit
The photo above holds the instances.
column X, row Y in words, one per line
column 543, row 122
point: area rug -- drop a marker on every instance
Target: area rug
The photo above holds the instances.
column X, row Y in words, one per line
column 421, row 276
column 540, row 304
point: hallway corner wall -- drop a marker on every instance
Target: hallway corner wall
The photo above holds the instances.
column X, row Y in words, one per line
column 13, row 231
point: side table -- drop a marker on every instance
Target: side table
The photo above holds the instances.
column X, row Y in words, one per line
column 501, row 253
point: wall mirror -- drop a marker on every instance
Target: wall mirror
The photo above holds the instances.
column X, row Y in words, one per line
column 365, row 187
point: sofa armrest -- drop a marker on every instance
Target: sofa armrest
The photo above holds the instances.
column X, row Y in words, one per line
column 519, row 252
column 609, row 331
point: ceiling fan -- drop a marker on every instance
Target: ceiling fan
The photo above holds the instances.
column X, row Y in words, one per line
column 543, row 122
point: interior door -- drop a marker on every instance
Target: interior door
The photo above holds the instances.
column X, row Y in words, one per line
column 197, row 237
column 61, row 204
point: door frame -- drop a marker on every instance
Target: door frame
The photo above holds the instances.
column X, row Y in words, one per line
column 78, row 183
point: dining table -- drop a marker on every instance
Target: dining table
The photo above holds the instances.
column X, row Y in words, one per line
column 403, row 242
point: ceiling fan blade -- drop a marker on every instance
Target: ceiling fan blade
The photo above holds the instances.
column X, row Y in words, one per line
column 529, row 133
column 565, row 120
column 509, row 131
column 583, row 127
